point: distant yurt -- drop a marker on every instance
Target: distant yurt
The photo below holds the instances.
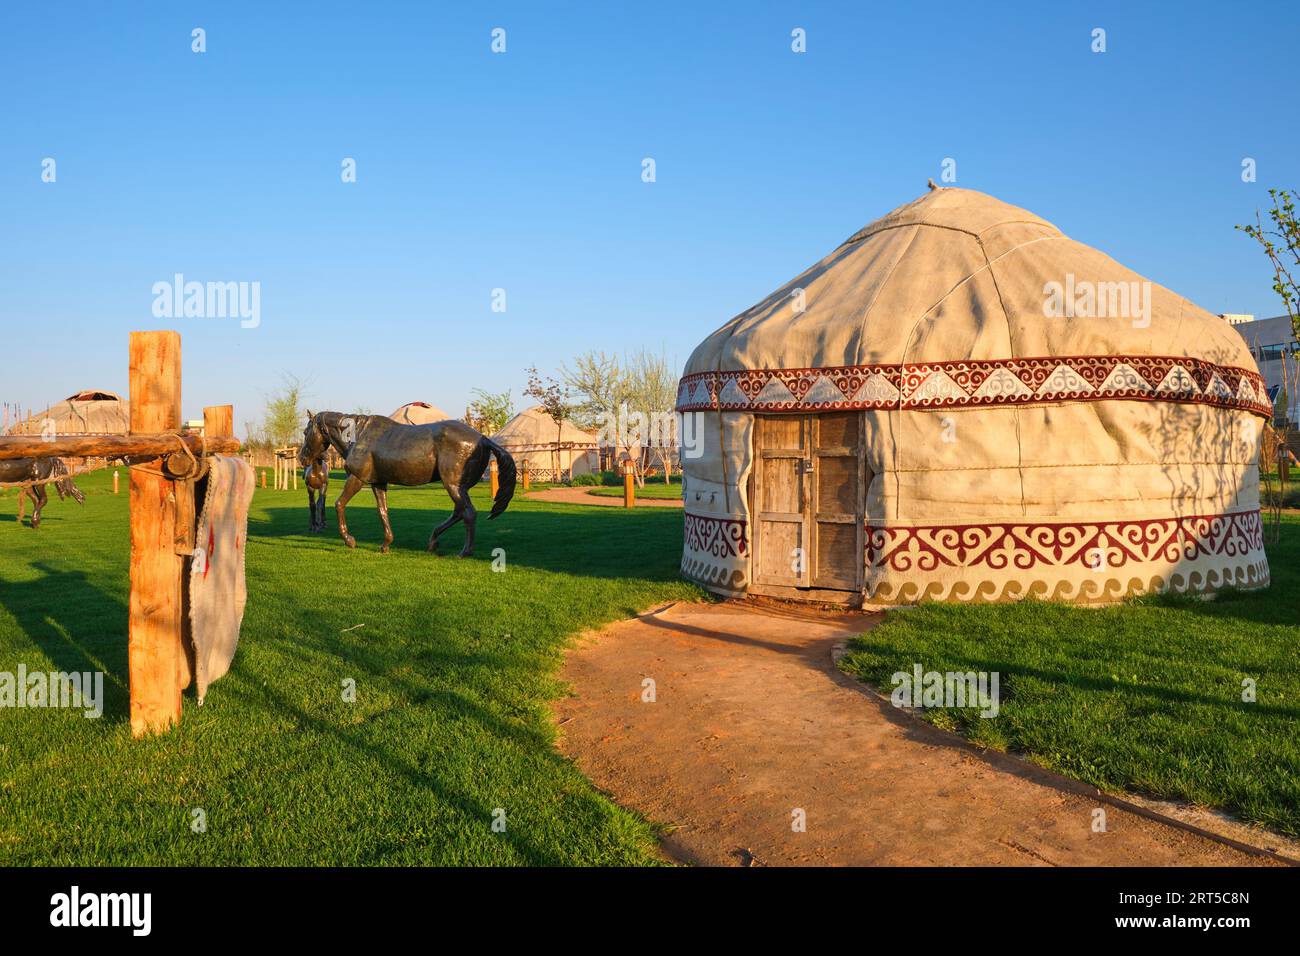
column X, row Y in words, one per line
column 961, row 403
column 533, row 437
column 90, row 412
column 419, row 413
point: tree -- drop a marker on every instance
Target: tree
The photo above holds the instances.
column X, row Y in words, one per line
column 490, row 411
column 653, row 388
column 554, row 399
column 1280, row 239
column 283, row 418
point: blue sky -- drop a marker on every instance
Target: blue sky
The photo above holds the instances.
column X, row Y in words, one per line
column 522, row 170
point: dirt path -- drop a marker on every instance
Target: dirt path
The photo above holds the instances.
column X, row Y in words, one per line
column 753, row 720
column 580, row 496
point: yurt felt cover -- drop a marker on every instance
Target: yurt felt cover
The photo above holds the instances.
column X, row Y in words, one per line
column 1011, row 452
column 419, row 413
column 88, row 412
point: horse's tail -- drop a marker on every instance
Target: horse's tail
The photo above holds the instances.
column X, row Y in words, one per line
column 505, row 477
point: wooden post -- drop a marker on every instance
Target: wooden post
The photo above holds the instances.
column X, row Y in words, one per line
column 263, row 477
column 525, row 477
column 114, row 481
column 155, row 647
column 218, row 421
column 629, row 488
column 492, row 475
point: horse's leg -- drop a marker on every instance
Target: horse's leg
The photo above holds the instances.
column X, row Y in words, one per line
column 471, row 517
column 39, row 493
column 381, row 505
column 350, row 488
column 458, row 499
column 320, row 506
column 311, row 509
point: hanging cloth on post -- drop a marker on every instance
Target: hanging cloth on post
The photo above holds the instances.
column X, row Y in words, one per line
column 217, row 590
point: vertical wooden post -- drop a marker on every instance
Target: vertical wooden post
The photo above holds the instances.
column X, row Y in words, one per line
column 114, row 481
column 629, row 489
column 155, row 648
column 492, row 474
column 525, row 477
column 218, row 421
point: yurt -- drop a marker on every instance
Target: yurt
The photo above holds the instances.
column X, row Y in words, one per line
column 92, row 411
column 419, row 413
column 961, row 403
column 531, row 436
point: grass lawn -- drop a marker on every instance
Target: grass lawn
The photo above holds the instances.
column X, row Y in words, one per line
column 1146, row 696
column 454, row 668
column 654, row 488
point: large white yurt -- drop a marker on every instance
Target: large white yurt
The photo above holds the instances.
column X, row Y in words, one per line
column 961, row 403
column 92, row 411
column 419, row 413
column 531, row 436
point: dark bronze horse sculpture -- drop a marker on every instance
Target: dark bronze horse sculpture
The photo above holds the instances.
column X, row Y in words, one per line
column 34, row 470
column 377, row 451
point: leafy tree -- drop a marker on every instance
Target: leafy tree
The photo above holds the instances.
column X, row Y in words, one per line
column 1280, row 239
column 490, row 411
column 554, row 399
column 282, row 420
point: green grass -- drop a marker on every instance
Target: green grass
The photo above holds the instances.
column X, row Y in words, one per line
column 455, row 667
column 654, row 488
column 1145, row 696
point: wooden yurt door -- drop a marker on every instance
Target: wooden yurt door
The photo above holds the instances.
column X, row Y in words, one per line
column 808, row 493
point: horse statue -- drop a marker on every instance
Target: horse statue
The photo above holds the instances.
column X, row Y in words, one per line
column 316, row 476
column 35, row 474
column 378, row 451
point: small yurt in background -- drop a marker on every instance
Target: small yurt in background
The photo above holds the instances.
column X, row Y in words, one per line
column 961, row 403
column 93, row 411
column 552, row 454
column 419, row 413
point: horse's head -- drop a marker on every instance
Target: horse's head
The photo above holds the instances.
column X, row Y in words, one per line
column 314, row 441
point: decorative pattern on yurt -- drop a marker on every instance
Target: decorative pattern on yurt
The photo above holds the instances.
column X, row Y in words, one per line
column 962, row 403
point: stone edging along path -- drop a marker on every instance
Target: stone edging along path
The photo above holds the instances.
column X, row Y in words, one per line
column 753, row 729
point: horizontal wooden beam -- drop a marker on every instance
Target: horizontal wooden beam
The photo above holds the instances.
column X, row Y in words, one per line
column 153, row 445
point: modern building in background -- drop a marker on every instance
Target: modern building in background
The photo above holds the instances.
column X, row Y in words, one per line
column 1273, row 343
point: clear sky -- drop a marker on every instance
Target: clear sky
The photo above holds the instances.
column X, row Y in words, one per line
column 522, row 170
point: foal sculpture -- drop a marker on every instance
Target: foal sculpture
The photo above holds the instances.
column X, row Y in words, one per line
column 378, row 451
column 316, row 476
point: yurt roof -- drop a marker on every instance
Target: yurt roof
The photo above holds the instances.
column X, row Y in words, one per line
column 959, row 279
column 419, row 413
column 93, row 411
column 533, row 427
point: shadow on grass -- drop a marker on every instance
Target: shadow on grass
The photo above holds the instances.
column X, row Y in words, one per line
column 591, row 542
column 66, row 629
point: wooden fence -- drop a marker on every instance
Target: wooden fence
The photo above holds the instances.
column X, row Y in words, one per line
column 165, row 466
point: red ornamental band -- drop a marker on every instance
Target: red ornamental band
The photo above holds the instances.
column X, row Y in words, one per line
column 976, row 383
column 1022, row 545
column 1094, row 544
column 720, row 537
